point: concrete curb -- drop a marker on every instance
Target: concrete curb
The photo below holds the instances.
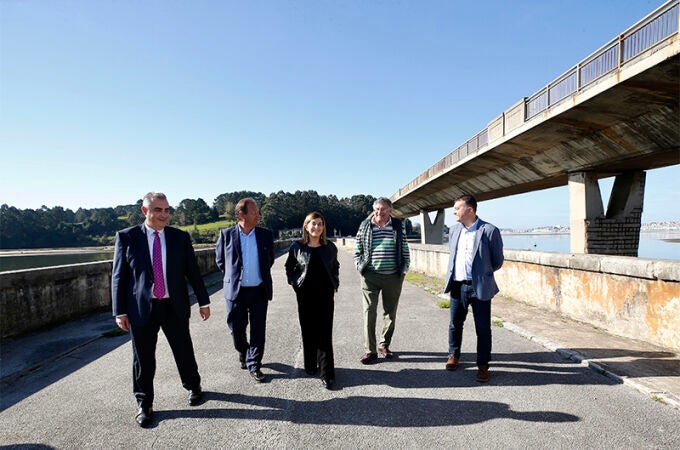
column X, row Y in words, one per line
column 16, row 375
column 661, row 396
column 655, row 394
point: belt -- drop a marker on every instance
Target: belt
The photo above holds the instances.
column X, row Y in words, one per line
column 465, row 282
column 253, row 287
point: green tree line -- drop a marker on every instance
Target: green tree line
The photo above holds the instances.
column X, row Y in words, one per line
column 59, row 227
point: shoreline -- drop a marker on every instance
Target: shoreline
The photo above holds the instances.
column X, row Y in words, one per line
column 674, row 231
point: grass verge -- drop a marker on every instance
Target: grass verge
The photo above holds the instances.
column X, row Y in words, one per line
column 211, row 227
column 434, row 286
column 430, row 284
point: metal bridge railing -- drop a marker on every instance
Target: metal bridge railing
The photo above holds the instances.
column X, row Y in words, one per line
column 649, row 32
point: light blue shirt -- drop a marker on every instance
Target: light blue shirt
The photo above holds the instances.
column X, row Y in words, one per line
column 464, row 256
column 250, row 276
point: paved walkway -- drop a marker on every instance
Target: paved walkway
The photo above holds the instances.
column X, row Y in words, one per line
column 69, row 387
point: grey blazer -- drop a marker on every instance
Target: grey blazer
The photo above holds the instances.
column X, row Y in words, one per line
column 488, row 257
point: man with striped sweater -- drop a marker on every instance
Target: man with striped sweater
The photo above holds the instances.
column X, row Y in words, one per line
column 382, row 258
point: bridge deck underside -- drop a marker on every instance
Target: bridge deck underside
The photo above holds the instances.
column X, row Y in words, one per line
column 634, row 125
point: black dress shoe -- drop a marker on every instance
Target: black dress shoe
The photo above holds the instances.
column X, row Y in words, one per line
column 328, row 383
column 143, row 417
column 242, row 360
column 195, row 396
column 257, row 375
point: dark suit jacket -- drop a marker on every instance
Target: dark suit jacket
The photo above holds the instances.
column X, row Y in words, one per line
column 488, row 257
column 230, row 261
column 132, row 277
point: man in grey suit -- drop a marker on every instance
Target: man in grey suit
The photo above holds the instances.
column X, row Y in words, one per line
column 151, row 266
column 476, row 252
column 245, row 253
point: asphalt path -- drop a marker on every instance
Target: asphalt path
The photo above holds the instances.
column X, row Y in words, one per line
column 536, row 398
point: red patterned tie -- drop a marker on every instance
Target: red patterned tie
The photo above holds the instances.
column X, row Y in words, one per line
column 158, row 282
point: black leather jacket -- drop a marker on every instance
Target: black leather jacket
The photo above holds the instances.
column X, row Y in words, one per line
column 298, row 260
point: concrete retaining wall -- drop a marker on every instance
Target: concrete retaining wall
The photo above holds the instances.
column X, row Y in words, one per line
column 32, row 298
column 632, row 297
column 35, row 298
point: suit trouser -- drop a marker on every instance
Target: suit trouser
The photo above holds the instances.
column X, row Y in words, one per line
column 250, row 306
column 372, row 284
column 144, row 339
column 463, row 295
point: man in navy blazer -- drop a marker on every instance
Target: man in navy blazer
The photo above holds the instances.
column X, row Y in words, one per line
column 148, row 295
column 476, row 252
column 245, row 253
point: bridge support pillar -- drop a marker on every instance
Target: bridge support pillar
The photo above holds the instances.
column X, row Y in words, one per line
column 616, row 232
column 432, row 233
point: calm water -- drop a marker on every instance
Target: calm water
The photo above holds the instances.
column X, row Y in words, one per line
column 652, row 245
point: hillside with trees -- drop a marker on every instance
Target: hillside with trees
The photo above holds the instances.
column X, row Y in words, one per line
column 59, row 227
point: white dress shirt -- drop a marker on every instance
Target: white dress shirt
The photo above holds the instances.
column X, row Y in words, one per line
column 466, row 243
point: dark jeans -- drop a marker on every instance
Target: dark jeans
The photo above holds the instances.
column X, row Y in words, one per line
column 462, row 296
column 249, row 307
column 144, row 339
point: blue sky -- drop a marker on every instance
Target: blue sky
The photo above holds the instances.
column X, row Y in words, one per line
column 103, row 101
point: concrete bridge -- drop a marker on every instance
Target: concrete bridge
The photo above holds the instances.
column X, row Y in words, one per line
column 615, row 113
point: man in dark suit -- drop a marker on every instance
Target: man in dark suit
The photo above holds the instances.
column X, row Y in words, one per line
column 245, row 253
column 475, row 253
column 151, row 266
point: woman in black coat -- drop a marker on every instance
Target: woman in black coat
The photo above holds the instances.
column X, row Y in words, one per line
column 312, row 269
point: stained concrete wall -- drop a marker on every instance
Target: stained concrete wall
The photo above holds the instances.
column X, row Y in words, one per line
column 32, row 298
column 632, row 297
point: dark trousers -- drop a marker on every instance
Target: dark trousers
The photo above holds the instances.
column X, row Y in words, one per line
column 250, row 307
column 315, row 311
column 144, row 339
column 462, row 296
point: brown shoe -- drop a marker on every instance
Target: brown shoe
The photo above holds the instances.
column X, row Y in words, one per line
column 385, row 352
column 483, row 374
column 452, row 363
column 369, row 358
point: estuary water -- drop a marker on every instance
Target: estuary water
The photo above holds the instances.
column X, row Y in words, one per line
column 656, row 245
column 653, row 244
